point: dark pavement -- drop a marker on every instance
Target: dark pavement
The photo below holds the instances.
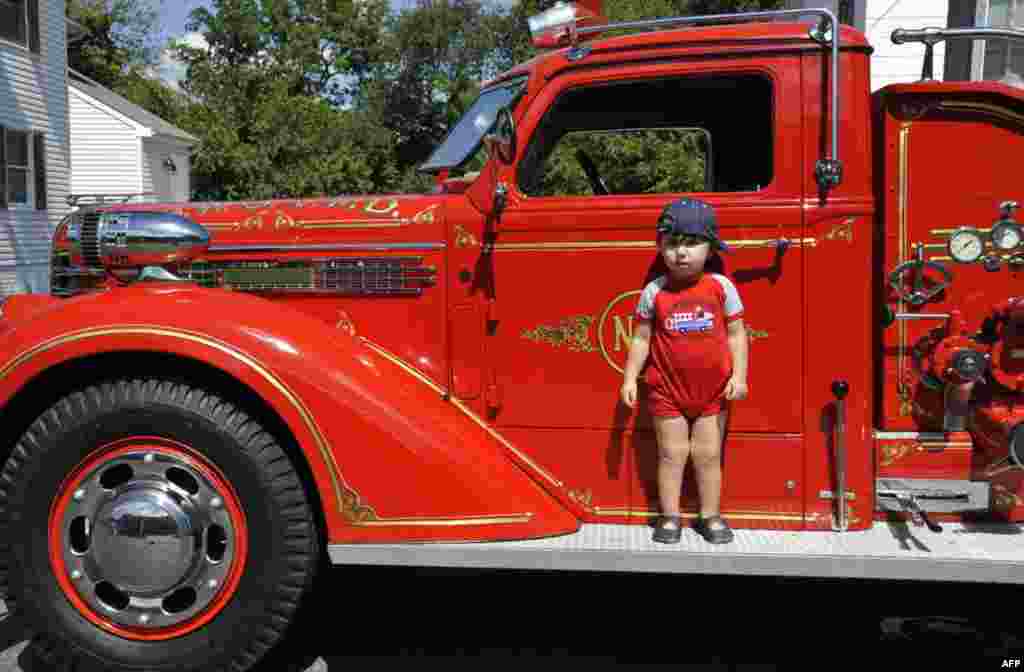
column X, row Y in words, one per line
column 373, row 612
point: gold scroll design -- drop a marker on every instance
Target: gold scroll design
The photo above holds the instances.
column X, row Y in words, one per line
column 464, row 238
column 379, row 221
column 573, row 332
column 843, row 231
column 585, row 498
column 894, row 452
column 283, row 221
column 1003, row 500
column 211, row 207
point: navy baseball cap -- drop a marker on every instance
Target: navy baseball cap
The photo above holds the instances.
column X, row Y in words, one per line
column 688, row 216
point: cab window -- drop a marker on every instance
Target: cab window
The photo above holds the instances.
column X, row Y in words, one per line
column 687, row 134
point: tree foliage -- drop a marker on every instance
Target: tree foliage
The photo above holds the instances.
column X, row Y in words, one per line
column 119, row 38
column 307, row 97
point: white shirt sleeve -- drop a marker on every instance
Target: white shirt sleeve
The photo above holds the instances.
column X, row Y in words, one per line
column 733, row 304
column 645, row 307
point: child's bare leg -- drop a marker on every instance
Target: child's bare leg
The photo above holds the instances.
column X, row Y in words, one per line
column 673, row 449
column 706, row 447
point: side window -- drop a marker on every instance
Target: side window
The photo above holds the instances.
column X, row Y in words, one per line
column 633, row 161
column 685, row 134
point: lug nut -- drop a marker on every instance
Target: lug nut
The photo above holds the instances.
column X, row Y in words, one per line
column 144, row 618
column 76, row 575
column 79, row 494
column 149, row 457
column 216, row 502
column 212, row 583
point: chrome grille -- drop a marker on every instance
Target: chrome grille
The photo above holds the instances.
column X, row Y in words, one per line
column 90, row 239
column 365, row 276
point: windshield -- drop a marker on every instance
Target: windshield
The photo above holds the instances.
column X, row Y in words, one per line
column 463, row 140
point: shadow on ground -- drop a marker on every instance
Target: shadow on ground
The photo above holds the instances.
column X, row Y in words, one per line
column 373, row 612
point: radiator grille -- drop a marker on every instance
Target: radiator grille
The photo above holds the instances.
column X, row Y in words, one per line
column 363, row 276
column 90, row 239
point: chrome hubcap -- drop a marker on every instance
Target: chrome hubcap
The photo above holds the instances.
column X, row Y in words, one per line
column 147, row 540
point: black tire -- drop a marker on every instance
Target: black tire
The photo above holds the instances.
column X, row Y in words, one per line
column 283, row 542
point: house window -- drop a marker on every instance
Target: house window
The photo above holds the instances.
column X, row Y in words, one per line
column 18, row 168
column 22, row 169
column 999, row 60
column 14, row 21
column 845, row 13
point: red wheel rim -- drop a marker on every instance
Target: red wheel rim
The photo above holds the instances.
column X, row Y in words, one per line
column 106, row 512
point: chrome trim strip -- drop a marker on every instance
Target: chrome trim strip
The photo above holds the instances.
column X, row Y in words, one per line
column 382, row 247
column 921, row 436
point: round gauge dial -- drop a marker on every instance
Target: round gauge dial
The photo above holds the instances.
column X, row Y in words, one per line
column 966, row 246
column 1006, row 235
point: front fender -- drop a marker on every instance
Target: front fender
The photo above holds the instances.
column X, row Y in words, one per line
column 393, row 458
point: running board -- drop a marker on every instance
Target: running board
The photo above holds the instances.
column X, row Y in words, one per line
column 989, row 553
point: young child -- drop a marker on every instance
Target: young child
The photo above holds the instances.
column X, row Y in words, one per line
column 691, row 324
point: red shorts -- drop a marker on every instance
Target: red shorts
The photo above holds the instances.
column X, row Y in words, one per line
column 665, row 406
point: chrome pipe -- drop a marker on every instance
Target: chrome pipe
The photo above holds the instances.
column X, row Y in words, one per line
column 922, row 316
column 929, row 37
column 840, row 389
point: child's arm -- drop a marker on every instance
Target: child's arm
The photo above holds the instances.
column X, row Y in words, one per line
column 737, row 337
column 638, row 350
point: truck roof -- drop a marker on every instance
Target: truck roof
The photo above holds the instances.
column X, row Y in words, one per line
column 746, row 36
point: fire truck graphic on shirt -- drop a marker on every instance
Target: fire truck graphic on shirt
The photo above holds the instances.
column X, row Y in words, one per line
column 697, row 320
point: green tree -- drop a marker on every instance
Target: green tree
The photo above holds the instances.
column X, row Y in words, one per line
column 119, row 37
column 265, row 101
column 439, row 53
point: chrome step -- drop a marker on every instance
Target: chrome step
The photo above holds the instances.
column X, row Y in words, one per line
column 931, row 495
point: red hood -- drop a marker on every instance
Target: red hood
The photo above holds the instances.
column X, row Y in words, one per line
column 302, row 221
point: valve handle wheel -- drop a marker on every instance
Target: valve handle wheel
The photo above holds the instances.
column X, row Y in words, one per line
column 159, row 526
column 919, row 294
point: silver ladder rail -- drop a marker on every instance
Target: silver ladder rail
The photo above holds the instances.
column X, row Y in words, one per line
column 828, row 170
column 929, row 37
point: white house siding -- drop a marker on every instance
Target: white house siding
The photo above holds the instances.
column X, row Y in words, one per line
column 104, row 149
column 156, row 178
column 895, row 63
column 33, row 97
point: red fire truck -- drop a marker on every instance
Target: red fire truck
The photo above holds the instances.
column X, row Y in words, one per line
column 215, row 395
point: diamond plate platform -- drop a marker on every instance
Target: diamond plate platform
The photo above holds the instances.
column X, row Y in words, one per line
column 990, row 553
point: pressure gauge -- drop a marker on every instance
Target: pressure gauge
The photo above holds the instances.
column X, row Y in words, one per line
column 1006, row 234
column 966, row 246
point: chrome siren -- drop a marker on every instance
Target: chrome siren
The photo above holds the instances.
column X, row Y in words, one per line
column 135, row 239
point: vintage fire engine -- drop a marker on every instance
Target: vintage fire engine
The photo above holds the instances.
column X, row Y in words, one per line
column 215, row 395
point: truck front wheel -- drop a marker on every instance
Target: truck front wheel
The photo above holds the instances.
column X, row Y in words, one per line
column 150, row 524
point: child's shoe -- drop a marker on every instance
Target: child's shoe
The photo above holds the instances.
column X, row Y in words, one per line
column 666, row 532
column 719, row 534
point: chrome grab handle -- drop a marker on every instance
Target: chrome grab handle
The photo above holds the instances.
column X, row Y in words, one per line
column 929, row 37
column 922, row 316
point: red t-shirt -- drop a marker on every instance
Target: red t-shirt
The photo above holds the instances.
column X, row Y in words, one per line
column 690, row 358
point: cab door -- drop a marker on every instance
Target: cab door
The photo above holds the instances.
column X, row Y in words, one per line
column 601, row 152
